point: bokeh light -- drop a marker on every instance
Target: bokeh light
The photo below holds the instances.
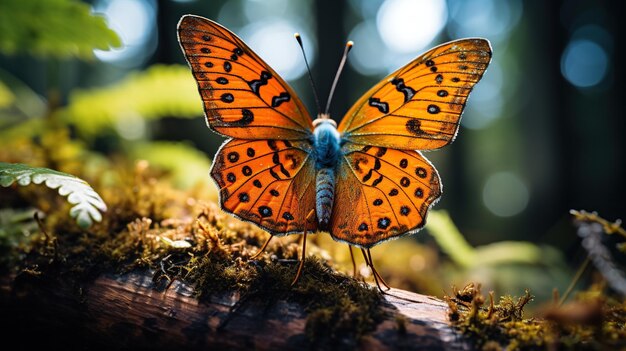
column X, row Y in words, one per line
column 408, row 26
column 403, row 29
column 486, row 100
column 256, row 9
column 505, row 194
column 131, row 126
column 274, row 42
column 135, row 22
column 584, row 63
column 483, row 18
column 366, row 56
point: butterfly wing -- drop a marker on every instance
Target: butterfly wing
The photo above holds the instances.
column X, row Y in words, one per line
column 382, row 194
column 384, row 187
column 243, row 97
column 267, row 182
column 419, row 106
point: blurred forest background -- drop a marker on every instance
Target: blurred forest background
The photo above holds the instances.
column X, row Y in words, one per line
column 543, row 132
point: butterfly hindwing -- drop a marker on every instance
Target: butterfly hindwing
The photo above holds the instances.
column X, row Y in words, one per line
column 419, row 106
column 382, row 193
column 243, row 97
column 268, row 182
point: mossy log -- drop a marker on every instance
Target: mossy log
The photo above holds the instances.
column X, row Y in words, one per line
column 124, row 311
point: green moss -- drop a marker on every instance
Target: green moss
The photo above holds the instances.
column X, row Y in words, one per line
column 591, row 322
column 169, row 233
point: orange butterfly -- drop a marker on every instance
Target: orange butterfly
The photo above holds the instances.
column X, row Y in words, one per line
column 364, row 180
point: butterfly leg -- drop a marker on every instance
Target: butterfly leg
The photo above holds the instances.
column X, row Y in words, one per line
column 309, row 217
column 253, row 257
column 354, row 270
column 367, row 256
column 376, row 275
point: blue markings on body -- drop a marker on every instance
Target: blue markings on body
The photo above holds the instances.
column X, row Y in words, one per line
column 326, row 143
column 326, row 140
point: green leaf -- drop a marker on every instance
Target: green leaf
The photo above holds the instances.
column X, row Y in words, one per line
column 450, row 239
column 87, row 203
column 53, row 28
column 6, row 96
column 160, row 91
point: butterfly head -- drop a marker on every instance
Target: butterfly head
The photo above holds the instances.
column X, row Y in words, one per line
column 324, row 118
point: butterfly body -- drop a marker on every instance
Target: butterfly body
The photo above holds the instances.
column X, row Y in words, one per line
column 365, row 179
column 326, row 146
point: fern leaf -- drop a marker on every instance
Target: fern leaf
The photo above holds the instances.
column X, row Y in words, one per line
column 87, row 203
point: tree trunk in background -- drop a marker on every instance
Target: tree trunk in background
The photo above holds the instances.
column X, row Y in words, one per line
column 330, row 17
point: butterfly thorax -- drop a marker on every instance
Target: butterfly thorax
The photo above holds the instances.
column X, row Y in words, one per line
column 326, row 143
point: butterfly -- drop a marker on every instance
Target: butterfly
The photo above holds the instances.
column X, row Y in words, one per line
column 364, row 181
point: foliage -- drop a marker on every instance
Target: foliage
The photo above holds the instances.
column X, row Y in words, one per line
column 504, row 265
column 87, row 203
column 186, row 165
column 160, row 91
column 6, row 96
column 53, row 28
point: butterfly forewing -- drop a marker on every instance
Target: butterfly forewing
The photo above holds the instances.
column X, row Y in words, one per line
column 419, row 106
column 267, row 182
column 243, row 97
column 382, row 194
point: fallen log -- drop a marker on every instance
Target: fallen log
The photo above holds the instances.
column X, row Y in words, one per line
column 124, row 311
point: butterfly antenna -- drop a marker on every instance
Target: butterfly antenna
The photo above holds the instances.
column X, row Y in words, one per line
column 341, row 64
column 306, row 62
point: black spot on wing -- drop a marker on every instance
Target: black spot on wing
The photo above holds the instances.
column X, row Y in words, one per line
column 414, row 126
column 256, row 84
column 272, row 145
column 384, row 222
column 404, row 210
column 274, row 174
column 233, row 156
column 247, row 117
column 282, row 97
column 227, row 98
column 377, row 180
column 401, row 87
column 265, row 211
column 247, row 171
column 380, row 105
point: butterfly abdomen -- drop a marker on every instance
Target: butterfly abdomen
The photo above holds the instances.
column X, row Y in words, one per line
column 324, row 196
column 326, row 145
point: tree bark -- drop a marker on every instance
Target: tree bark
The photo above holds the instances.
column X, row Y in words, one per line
column 123, row 311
